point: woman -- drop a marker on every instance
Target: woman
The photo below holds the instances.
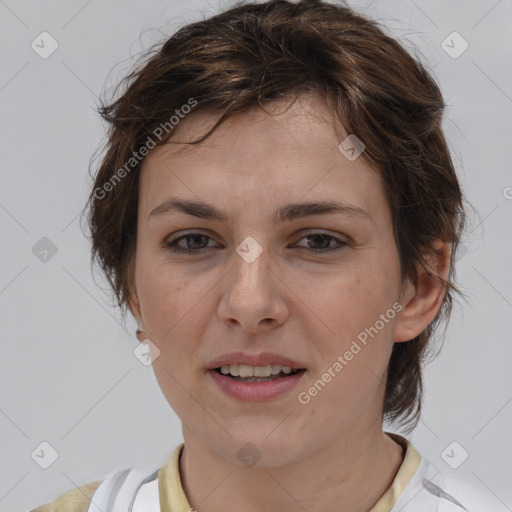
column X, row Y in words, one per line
column 278, row 209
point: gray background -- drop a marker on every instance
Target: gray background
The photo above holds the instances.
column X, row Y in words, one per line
column 68, row 375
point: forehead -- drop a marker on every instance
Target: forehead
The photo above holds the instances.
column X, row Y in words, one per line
column 283, row 154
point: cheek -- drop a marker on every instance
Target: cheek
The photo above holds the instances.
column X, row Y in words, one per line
column 356, row 307
column 165, row 291
column 342, row 301
column 167, row 304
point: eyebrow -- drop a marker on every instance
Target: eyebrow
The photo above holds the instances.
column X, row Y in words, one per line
column 285, row 213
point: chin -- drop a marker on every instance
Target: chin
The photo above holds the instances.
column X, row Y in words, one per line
column 261, row 446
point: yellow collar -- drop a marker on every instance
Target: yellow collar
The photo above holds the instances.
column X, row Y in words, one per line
column 173, row 499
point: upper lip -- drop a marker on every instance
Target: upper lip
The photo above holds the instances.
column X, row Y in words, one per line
column 260, row 359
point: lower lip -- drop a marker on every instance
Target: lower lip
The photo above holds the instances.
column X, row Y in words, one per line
column 256, row 391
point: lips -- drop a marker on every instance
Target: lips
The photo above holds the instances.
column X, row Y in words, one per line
column 256, row 359
column 249, row 391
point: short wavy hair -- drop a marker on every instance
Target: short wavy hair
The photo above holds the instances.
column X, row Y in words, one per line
column 252, row 53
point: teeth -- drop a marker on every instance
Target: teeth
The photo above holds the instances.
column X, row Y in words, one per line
column 246, row 371
column 262, row 371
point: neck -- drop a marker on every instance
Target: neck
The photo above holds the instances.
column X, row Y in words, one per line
column 355, row 470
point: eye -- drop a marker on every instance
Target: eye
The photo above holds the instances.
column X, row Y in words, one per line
column 323, row 240
column 194, row 240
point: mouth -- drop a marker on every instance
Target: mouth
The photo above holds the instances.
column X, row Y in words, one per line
column 256, row 384
column 245, row 373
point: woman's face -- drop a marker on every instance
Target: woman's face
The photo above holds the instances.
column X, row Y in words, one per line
column 271, row 293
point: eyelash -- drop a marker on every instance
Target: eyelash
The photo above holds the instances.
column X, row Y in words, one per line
column 172, row 245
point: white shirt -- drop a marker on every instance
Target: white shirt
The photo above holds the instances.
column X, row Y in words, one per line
column 428, row 491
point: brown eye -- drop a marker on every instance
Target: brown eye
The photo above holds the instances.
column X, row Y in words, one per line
column 194, row 243
column 323, row 243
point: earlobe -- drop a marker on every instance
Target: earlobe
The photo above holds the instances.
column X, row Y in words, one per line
column 422, row 303
column 140, row 333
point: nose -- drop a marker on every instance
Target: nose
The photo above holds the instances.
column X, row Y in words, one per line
column 254, row 299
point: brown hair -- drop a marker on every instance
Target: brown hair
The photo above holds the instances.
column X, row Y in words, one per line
column 252, row 53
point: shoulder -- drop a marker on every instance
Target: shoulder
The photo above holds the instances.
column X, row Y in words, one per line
column 445, row 492
column 432, row 489
column 118, row 491
column 462, row 492
column 74, row 500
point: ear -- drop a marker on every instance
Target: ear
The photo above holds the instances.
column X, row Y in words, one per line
column 133, row 304
column 421, row 303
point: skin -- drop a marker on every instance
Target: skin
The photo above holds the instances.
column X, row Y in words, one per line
column 289, row 301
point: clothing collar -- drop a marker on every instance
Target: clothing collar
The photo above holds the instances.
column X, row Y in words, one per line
column 173, row 499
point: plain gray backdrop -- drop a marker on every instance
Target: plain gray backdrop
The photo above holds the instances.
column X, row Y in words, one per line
column 69, row 377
